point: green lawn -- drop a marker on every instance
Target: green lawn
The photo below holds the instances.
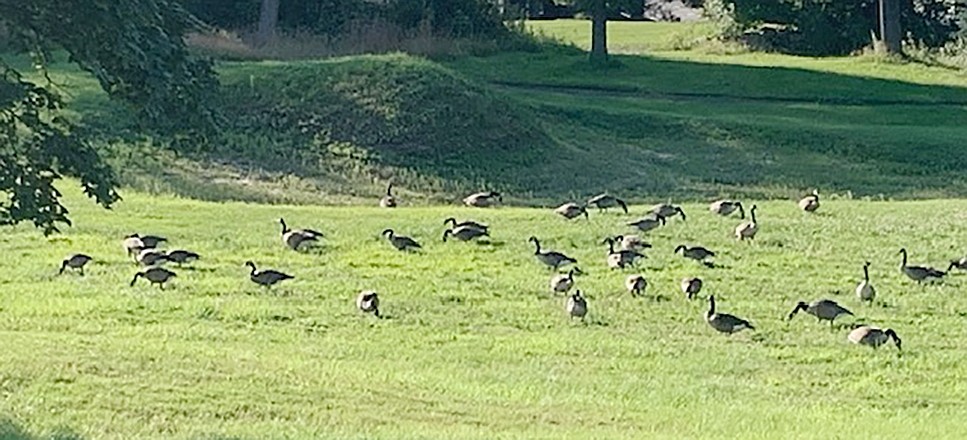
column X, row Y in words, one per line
column 472, row 344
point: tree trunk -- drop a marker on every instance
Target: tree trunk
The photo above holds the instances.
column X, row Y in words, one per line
column 889, row 23
column 599, row 33
column 268, row 21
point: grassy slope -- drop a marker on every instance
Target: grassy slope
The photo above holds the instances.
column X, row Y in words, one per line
column 472, row 345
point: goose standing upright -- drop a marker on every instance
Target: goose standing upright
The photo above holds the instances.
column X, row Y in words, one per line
column 919, row 273
column 722, row 322
column 266, row 278
column 469, row 223
column 294, row 238
column 810, row 203
column 401, row 242
column 636, row 284
column 388, row 201
column 368, row 302
column 577, row 306
column 621, row 258
column 550, row 258
column 563, row 283
column 747, row 229
column 865, row 290
column 691, row 287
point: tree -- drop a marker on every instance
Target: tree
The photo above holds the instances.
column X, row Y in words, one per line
column 268, row 21
column 888, row 18
column 599, row 11
column 135, row 50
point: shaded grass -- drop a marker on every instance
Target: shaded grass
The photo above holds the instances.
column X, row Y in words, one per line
column 473, row 345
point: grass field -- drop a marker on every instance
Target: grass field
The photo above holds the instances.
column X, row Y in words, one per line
column 472, row 344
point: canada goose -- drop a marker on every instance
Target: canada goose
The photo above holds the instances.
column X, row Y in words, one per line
column 666, row 210
column 605, row 201
column 155, row 275
column 722, row 322
column 465, row 233
column 872, row 336
column 577, row 306
column 571, row 210
column 726, row 207
column 483, row 199
column 810, row 203
column 470, row 223
column 865, row 290
column 648, row 223
column 151, row 257
column 959, row 264
column 919, row 273
column 368, row 302
column 76, row 261
column 550, row 258
column 182, row 256
column 631, row 243
column 133, row 244
column 747, row 229
column 823, row 309
column 622, row 258
column 636, row 284
column 266, row 278
column 400, row 242
column 691, row 286
column 294, row 238
column 563, row 283
column 388, row 201
column 696, row 253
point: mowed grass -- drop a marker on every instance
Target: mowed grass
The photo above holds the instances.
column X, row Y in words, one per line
column 472, row 344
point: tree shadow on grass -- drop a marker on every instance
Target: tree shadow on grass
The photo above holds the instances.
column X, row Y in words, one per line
column 10, row 430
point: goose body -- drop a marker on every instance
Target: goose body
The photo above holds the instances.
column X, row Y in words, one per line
column 469, row 223
column 872, row 336
column 388, row 201
column 748, row 229
column 648, row 223
column 636, row 284
column 181, row 256
column 691, row 287
column 724, row 323
column 919, row 273
column 562, row 283
column 465, row 233
column 133, row 244
column 696, row 253
column 631, row 243
column 368, row 302
column 727, row 207
column 621, row 258
column 810, row 203
column 605, row 201
column 295, row 238
column 959, row 264
column 865, row 290
column 667, row 210
column 550, row 258
column 823, row 310
column 401, row 242
column 266, row 278
column 577, row 306
column 76, row 261
column 154, row 275
column 571, row 210
column 483, row 199
column 151, row 257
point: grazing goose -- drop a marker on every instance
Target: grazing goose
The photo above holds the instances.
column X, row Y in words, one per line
column 368, row 302
column 810, row 203
column 622, row 258
column 722, row 322
column 636, row 284
column 182, row 256
column 266, row 278
column 865, row 290
column 571, row 210
column 631, row 243
column 872, row 336
column 76, row 261
column 696, row 253
column 155, row 275
column 401, row 242
column 465, row 233
column 294, row 238
column 691, row 286
column 747, row 229
column 726, row 207
column 823, row 309
column 483, row 199
column 469, row 223
column 648, row 223
column 563, row 283
column 151, row 257
column 959, row 264
column 550, row 258
column 133, row 244
column 919, row 273
column 666, row 210
column 577, row 306
column 605, row 201
column 388, row 201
